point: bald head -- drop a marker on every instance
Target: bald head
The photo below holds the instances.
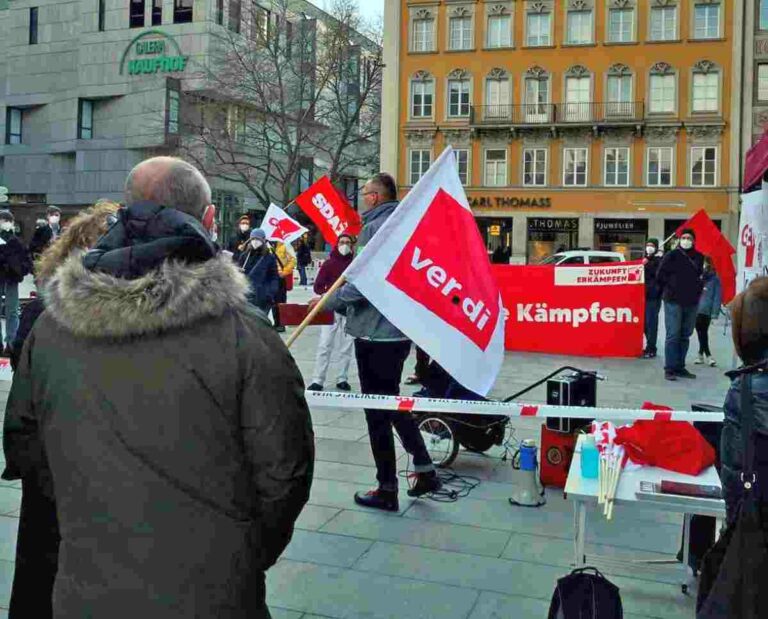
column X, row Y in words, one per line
column 170, row 182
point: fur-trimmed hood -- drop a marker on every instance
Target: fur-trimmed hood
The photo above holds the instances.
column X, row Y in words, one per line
column 173, row 296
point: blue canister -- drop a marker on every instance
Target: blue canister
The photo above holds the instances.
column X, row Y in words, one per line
column 528, row 455
column 590, row 458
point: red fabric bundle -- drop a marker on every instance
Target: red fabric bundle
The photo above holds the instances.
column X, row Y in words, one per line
column 672, row 445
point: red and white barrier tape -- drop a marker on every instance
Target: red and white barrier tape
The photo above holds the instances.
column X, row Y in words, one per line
column 329, row 399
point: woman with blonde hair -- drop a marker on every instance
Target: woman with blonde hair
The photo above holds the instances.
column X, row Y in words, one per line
column 37, row 546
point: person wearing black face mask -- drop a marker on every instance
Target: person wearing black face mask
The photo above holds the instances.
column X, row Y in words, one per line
column 679, row 279
column 652, row 261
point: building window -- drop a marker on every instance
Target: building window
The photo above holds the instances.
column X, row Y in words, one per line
column 703, row 166
column 306, row 174
column 663, row 94
column 497, row 98
column 85, row 119
column 621, row 24
column 33, row 26
column 157, row 12
column 422, row 96
column 460, row 29
column 101, row 15
column 537, row 29
column 173, row 111
column 660, row 166
column 706, row 21
column 619, row 95
column 663, row 23
column 458, row 98
column 420, row 162
column 763, row 21
column 495, row 168
column 423, row 34
column 705, row 92
column 536, row 102
column 762, row 82
column 235, row 7
column 13, row 125
column 534, row 167
column 499, row 31
column 462, row 164
column 220, row 12
column 579, row 27
column 136, row 16
column 577, row 98
column 182, row 11
column 617, row 167
column 575, row 167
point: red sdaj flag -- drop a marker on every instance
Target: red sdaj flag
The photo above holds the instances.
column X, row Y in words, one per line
column 711, row 242
column 329, row 210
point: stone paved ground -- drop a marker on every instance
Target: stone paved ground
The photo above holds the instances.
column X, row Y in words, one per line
column 478, row 558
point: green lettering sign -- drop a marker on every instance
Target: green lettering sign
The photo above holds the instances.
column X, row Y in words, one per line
column 153, row 52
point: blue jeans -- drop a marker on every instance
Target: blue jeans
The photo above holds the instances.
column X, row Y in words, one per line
column 11, row 292
column 652, row 307
column 679, row 322
column 302, row 275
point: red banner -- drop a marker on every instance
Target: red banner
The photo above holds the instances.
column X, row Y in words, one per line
column 329, row 211
column 592, row 311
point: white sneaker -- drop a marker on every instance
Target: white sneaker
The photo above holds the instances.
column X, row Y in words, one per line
column 711, row 361
column 699, row 360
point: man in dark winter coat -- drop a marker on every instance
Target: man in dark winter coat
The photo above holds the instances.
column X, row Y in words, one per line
column 334, row 336
column 679, row 278
column 14, row 266
column 239, row 245
column 46, row 232
column 652, row 262
column 303, row 258
column 170, row 417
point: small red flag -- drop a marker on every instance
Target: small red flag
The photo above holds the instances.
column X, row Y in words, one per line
column 330, row 211
column 711, row 242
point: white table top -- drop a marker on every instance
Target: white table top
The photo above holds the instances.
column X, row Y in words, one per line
column 629, row 483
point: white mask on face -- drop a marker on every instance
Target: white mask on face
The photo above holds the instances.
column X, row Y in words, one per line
column 650, row 250
column 6, row 226
column 345, row 250
column 256, row 244
column 54, row 220
column 244, row 228
column 686, row 243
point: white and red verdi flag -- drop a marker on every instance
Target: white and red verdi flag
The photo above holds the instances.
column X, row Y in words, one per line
column 427, row 271
column 279, row 226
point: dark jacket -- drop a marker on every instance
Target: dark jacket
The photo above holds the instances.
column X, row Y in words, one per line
column 29, row 315
column 14, row 259
column 173, row 421
column 652, row 289
column 261, row 269
column 331, row 270
column 711, row 295
column 303, row 254
column 42, row 237
column 679, row 276
column 240, row 240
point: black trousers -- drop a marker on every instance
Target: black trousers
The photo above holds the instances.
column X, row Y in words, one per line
column 702, row 331
column 422, row 365
column 280, row 297
column 380, row 368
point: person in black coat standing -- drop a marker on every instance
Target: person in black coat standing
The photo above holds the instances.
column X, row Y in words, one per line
column 14, row 266
column 303, row 258
column 680, row 280
column 46, row 232
column 652, row 263
column 239, row 245
column 260, row 267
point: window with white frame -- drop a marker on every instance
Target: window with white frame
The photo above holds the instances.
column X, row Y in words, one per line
column 663, row 94
column 422, row 98
column 458, row 98
column 619, row 95
column 706, row 21
column 575, row 167
column 423, row 34
column 663, row 23
column 706, row 91
column 420, row 161
column 495, row 167
column 499, row 31
column 497, row 98
column 538, row 29
column 534, row 167
column 462, row 164
column 460, row 32
column 621, row 25
column 578, row 27
column 762, row 82
column 617, row 166
column 659, row 171
column 703, row 166
column 536, row 102
column 577, row 98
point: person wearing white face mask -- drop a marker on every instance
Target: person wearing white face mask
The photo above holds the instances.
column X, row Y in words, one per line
column 260, row 267
column 239, row 244
column 652, row 261
column 680, row 280
column 14, row 266
column 47, row 233
column 334, row 337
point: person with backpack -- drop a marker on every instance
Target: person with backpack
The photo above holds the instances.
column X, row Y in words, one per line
column 14, row 267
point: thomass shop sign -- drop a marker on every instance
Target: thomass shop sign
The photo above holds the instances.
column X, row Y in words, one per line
column 153, row 52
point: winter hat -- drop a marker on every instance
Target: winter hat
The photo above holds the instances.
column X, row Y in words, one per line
column 244, row 218
column 258, row 234
column 688, row 231
column 654, row 242
column 52, row 210
column 346, row 235
column 6, row 215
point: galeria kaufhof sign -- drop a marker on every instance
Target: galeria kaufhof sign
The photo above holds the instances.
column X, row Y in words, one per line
column 153, row 52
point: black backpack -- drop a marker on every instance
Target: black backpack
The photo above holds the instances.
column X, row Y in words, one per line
column 584, row 595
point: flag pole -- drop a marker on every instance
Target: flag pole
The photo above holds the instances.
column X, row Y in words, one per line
column 668, row 239
column 315, row 311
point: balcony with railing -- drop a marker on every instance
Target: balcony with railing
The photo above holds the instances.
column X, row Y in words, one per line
column 613, row 113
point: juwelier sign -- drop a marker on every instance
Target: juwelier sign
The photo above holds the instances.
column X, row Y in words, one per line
column 152, row 52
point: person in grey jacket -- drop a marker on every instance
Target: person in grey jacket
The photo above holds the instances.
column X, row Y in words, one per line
column 381, row 350
column 709, row 310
